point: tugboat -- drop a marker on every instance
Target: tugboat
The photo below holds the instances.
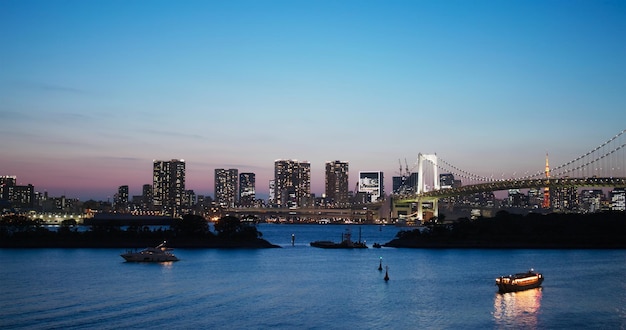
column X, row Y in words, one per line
column 346, row 242
column 160, row 253
column 519, row 281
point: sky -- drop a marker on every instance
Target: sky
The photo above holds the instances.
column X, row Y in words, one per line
column 91, row 92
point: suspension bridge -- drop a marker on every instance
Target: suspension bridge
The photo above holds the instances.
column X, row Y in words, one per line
column 601, row 167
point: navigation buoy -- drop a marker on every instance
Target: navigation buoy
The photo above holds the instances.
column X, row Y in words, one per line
column 386, row 273
column 380, row 265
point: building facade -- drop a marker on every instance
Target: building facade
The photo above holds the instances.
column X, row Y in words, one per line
column 7, row 181
column 226, row 187
column 146, row 197
column 121, row 199
column 535, row 197
column 371, row 182
column 247, row 191
column 405, row 184
column 292, row 183
column 168, row 186
column 591, row 200
column 618, row 199
column 564, row 199
column 516, row 198
column 446, row 181
column 336, row 183
column 272, row 193
column 22, row 196
column 17, row 196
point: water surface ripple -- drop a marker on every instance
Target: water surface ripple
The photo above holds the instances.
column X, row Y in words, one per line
column 300, row 287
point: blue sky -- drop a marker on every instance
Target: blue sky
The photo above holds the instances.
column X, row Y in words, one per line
column 91, row 92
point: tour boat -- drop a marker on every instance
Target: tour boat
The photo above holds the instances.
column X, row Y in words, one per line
column 160, row 253
column 519, row 281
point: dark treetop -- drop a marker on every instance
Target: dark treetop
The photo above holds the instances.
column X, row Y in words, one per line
column 605, row 230
column 191, row 231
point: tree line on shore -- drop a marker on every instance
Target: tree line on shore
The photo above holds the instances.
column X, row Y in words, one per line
column 506, row 230
column 188, row 231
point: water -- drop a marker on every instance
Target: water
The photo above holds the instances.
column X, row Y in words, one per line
column 300, row 287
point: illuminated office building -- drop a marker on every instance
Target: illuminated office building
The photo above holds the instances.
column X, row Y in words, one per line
column 405, row 184
column 247, row 192
column 146, row 197
column 168, row 186
column 564, row 199
column 446, row 181
column 18, row 196
column 272, row 192
column 618, row 199
column 7, row 181
column 336, row 183
column 120, row 200
column 292, row 183
column 21, row 196
column 226, row 187
column 591, row 200
column 516, row 198
column 371, row 182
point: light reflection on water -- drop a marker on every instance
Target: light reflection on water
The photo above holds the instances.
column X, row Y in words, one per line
column 519, row 309
column 301, row 287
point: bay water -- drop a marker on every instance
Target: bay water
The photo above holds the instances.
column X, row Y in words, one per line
column 301, row 287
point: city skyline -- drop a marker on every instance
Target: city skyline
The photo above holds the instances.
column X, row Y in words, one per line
column 92, row 92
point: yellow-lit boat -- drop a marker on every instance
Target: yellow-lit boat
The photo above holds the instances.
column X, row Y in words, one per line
column 519, row 281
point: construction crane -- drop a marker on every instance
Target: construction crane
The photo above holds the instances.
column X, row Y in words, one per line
column 404, row 173
column 407, row 167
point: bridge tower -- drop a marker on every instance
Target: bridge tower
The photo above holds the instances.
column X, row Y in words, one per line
column 421, row 184
column 546, row 190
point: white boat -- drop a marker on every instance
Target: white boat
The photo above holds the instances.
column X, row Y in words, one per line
column 159, row 253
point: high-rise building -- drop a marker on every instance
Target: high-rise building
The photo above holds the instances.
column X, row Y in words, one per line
column 516, row 198
column 168, row 186
column 226, row 187
column 6, row 181
column 272, row 192
column 410, row 183
column 486, row 198
column 292, row 180
column 397, row 184
column 18, row 196
column 618, row 199
column 446, row 181
column 247, row 192
column 336, row 183
column 146, row 197
column 120, row 200
column 405, row 184
column 591, row 200
column 372, row 183
column 189, row 199
column 21, row 196
column 564, row 199
column 535, row 197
